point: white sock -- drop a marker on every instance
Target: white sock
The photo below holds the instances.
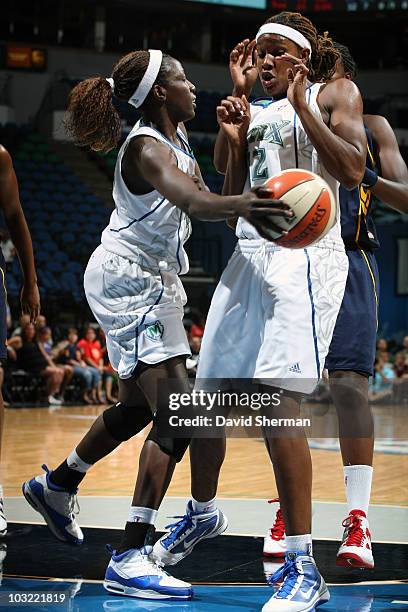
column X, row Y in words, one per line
column 357, row 479
column 300, row 543
column 207, row 506
column 75, row 462
column 138, row 514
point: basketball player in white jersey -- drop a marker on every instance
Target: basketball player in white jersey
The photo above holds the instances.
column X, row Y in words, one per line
column 273, row 313
column 133, row 288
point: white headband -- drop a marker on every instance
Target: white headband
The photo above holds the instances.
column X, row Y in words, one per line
column 148, row 79
column 287, row 32
column 111, row 83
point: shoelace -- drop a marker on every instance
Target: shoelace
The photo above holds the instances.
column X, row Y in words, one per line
column 277, row 530
column 145, row 560
column 175, row 528
column 355, row 533
column 289, row 572
column 71, row 507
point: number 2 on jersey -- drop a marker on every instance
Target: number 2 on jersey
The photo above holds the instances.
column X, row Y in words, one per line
column 258, row 165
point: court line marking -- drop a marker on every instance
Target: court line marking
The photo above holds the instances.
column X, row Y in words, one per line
column 223, row 584
column 244, row 499
column 247, row 535
column 396, row 601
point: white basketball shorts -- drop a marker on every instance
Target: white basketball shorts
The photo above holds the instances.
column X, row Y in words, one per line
column 273, row 314
column 140, row 311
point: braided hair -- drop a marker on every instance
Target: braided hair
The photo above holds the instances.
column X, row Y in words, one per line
column 92, row 119
column 322, row 63
column 347, row 59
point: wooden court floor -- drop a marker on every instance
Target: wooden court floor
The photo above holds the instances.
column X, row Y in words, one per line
column 34, row 436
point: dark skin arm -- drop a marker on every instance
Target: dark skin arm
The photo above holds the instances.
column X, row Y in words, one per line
column 243, row 72
column 392, row 185
column 156, row 163
column 233, row 116
column 340, row 140
column 19, row 233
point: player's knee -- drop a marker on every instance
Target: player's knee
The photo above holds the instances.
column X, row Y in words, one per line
column 175, row 447
column 123, row 422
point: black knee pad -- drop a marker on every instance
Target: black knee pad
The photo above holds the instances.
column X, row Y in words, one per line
column 175, row 447
column 123, row 422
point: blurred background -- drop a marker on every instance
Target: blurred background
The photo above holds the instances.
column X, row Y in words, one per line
column 48, row 46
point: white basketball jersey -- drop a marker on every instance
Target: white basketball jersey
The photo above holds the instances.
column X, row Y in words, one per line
column 148, row 228
column 277, row 141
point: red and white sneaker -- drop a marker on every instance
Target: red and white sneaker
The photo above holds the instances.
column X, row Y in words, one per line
column 274, row 542
column 355, row 549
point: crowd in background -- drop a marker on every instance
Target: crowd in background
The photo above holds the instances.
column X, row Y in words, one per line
column 74, row 360
column 390, row 380
column 66, row 360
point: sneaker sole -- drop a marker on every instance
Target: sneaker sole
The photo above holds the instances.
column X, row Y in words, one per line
column 38, row 507
column 125, row 591
column 277, row 555
column 323, row 598
column 352, row 560
column 169, row 558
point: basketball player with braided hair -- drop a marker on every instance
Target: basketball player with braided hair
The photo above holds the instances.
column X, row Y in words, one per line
column 133, row 288
column 273, row 313
column 350, row 360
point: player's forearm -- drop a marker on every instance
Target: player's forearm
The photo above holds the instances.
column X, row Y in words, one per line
column 391, row 193
column 237, row 171
column 221, row 153
column 341, row 159
column 21, row 239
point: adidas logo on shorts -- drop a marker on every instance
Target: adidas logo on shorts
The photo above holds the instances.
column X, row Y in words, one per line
column 295, row 368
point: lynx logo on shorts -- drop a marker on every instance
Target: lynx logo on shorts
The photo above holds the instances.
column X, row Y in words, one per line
column 155, row 331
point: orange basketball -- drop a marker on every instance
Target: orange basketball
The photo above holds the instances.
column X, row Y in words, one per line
column 312, row 203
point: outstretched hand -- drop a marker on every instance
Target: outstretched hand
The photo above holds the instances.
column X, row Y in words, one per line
column 242, row 64
column 234, row 116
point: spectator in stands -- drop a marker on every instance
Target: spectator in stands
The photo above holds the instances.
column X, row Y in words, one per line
column 381, row 384
column 45, row 343
column 91, row 351
column 71, row 355
column 40, row 322
column 109, row 374
column 382, row 346
column 23, row 321
column 197, row 327
column 31, row 359
column 401, row 365
column 195, row 346
column 44, row 335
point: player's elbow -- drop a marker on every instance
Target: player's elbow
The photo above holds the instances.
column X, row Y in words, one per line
column 352, row 175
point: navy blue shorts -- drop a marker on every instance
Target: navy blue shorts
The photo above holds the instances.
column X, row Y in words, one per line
column 354, row 338
column 3, row 309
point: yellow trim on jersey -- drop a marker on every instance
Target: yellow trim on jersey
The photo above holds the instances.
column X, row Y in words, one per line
column 371, row 156
column 373, row 279
column 3, row 278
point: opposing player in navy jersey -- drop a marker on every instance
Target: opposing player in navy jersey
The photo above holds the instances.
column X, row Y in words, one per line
column 30, row 298
column 132, row 285
column 350, row 361
column 273, row 313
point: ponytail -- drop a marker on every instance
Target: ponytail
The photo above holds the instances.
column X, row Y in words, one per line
column 92, row 119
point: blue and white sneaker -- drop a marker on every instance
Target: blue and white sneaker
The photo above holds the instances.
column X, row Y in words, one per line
column 56, row 505
column 191, row 529
column 302, row 589
column 135, row 574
